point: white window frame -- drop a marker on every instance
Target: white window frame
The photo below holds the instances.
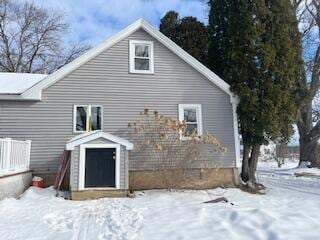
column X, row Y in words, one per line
column 82, row 166
column 88, row 116
column 132, row 56
column 199, row 117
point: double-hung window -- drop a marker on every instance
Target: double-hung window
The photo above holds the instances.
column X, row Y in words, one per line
column 192, row 115
column 141, row 57
column 87, row 118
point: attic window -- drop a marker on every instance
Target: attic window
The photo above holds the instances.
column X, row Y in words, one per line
column 141, row 57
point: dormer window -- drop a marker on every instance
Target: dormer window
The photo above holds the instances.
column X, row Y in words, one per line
column 141, row 57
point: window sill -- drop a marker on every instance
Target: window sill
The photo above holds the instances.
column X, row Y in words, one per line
column 78, row 132
column 142, row 72
column 186, row 138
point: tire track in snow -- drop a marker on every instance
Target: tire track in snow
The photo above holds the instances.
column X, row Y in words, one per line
column 310, row 186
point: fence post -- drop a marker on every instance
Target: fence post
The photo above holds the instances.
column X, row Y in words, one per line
column 28, row 153
column 7, row 153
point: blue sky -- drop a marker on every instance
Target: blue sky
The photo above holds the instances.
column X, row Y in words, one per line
column 92, row 21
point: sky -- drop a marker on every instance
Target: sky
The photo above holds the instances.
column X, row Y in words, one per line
column 92, row 21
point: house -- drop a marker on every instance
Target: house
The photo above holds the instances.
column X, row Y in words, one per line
column 109, row 85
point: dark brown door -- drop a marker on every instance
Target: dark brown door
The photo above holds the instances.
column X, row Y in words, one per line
column 100, row 167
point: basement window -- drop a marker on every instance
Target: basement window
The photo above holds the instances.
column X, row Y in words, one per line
column 192, row 115
column 87, row 118
column 141, row 57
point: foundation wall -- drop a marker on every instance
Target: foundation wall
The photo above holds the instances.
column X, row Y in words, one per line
column 192, row 178
column 15, row 184
column 94, row 194
column 149, row 179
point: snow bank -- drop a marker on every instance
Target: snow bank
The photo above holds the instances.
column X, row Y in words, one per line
column 289, row 168
column 16, row 83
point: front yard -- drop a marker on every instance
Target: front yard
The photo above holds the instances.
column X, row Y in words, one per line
column 289, row 210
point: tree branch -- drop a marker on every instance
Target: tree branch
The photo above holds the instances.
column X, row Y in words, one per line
column 30, row 38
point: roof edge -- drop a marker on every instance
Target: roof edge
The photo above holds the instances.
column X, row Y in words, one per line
column 16, row 97
column 90, row 136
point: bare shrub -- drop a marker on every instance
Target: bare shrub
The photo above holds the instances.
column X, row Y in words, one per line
column 173, row 150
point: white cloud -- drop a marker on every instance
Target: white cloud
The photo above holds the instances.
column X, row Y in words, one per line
column 95, row 20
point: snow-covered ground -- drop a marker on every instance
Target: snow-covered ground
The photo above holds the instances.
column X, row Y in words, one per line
column 289, row 168
column 289, row 210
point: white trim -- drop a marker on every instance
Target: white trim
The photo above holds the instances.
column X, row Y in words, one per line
column 82, row 164
column 16, row 97
column 34, row 93
column 198, row 108
column 90, row 136
column 75, row 118
column 236, row 134
column 132, row 56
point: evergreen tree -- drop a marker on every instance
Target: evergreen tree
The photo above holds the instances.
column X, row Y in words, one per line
column 218, row 35
column 169, row 25
column 258, row 43
column 189, row 33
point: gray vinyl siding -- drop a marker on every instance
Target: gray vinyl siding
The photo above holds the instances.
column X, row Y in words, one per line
column 74, row 168
column 105, row 80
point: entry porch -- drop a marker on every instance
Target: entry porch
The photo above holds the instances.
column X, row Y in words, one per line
column 99, row 165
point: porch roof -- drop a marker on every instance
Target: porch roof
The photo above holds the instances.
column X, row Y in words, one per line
column 90, row 136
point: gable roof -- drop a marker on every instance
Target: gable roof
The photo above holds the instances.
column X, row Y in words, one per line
column 35, row 92
column 17, row 83
column 90, row 136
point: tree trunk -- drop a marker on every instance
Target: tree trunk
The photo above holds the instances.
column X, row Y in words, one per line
column 254, row 161
column 245, row 171
column 249, row 163
column 309, row 137
column 309, row 151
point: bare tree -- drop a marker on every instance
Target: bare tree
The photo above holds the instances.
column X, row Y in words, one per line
column 308, row 15
column 31, row 38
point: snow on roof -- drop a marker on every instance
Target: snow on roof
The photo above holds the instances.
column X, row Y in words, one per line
column 17, row 83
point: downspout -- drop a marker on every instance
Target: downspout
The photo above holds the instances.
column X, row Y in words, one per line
column 235, row 102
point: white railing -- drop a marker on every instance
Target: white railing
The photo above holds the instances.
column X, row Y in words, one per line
column 14, row 156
